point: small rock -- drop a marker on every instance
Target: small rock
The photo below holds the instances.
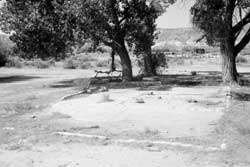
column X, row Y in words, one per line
column 151, row 93
column 33, row 117
column 159, row 97
column 192, row 101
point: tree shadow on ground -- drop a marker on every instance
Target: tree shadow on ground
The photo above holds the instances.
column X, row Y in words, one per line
column 16, row 78
column 78, row 82
column 199, row 78
column 161, row 82
column 164, row 82
column 63, row 84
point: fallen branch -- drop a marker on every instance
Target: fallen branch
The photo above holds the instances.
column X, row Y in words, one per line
column 82, row 135
column 85, row 90
column 73, row 95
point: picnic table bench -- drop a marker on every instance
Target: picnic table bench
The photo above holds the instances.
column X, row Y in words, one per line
column 108, row 72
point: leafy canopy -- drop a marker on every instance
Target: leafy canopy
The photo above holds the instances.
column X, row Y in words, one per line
column 41, row 28
column 48, row 28
column 113, row 21
column 222, row 20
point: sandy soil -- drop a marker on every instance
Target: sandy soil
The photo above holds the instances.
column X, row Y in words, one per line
column 182, row 126
column 74, row 155
column 173, row 113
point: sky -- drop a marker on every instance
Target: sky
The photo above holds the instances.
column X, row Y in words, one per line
column 177, row 15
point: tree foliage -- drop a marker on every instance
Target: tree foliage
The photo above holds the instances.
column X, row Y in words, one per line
column 41, row 28
column 44, row 28
column 116, row 22
column 222, row 19
column 106, row 20
column 226, row 23
column 144, row 32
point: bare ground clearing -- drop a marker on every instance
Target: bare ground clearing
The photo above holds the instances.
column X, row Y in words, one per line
column 192, row 123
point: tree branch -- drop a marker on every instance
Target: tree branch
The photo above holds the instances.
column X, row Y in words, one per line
column 201, row 38
column 238, row 27
column 244, row 41
column 102, row 39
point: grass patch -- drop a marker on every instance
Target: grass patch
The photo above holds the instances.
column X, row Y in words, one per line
column 18, row 107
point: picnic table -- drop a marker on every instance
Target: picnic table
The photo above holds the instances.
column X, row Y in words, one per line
column 108, row 72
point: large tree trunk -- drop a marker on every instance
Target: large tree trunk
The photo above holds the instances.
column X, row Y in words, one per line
column 149, row 67
column 229, row 71
column 127, row 74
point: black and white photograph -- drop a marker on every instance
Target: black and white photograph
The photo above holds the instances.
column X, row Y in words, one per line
column 124, row 83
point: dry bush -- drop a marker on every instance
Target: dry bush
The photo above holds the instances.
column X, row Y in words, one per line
column 42, row 64
column 241, row 60
column 6, row 46
column 87, row 60
column 102, row 63
column 14, row 61
column 79, row 62
column 17, row 62
column 177, row 61
column 159, row 60
column 19, row 107
column 70, row 64
column 3, row 60
column 85, row 65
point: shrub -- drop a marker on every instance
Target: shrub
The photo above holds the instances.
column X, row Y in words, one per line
column 38, row 63
column 84, row 65
column 3, row 60
column 79, row 61
column 70, row 64
column 102, row 63
column 4, row 55
column 187, row 49
column 85, row 57
column 6, row 46
column 180, row 61
column 14, row 61
column 193, row 73
column 241, row 60
column 159, row 60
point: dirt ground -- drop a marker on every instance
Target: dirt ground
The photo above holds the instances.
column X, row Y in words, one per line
column 178, row 120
